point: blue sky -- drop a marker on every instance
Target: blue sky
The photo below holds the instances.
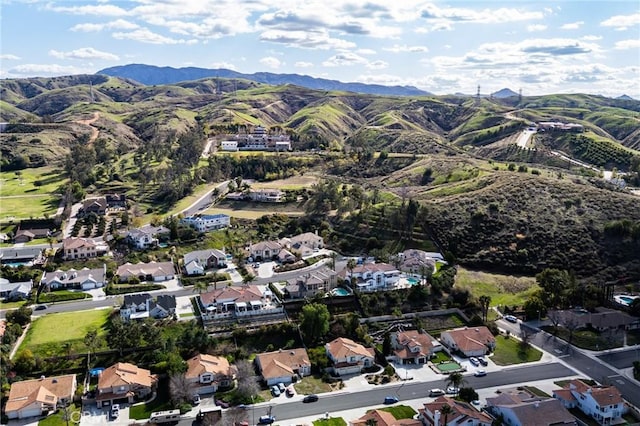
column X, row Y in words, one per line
column 444, row 47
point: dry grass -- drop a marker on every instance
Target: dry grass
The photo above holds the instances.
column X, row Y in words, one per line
column 294, row 182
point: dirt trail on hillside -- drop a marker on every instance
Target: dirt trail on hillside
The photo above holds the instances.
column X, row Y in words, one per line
column 89, row 122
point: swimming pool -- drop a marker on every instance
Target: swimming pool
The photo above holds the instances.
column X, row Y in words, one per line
column 625, row 300
column 413, row 281
column 339, row 291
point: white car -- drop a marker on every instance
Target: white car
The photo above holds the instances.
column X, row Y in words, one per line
column 452, row 391
column 510, row 318
column 479, row 373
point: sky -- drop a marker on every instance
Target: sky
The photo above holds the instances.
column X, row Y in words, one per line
column 539, row 47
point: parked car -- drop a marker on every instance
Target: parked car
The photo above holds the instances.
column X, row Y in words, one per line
column 479, row 373
column 510, row 318
column 275, row 391
column 115, row 411
column 310, row 398
column 473, row 360
column 40, row 307
column 196, row 399
column 282, row 387
column 452, row 391
column 289, row 392
column 266, row 420
column 390, row 399
column 436, row 392
column 221, row 403
column 483, row 362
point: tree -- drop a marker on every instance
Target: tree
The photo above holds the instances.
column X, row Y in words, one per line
column 21, row 316
column 91, row 342
column 314, row 321
column 455, row 380
column 24, row 362
column 247, row 381
column 485, row 301
column 445, row 411
column 200, row 286
column 534, row 307
column 386, row 344
column 180, row 389
column 468, row 394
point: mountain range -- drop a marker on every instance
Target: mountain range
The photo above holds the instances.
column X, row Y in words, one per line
column 153, row 75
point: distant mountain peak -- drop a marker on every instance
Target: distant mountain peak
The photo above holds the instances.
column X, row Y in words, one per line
column 504, row 93
column 151, row 74
column 625, row 98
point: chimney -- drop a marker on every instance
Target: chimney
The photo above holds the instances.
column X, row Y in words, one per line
column 436, row 418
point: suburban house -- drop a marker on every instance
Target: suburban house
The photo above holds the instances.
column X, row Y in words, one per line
column 207, row 222
column 96, row 205
column 146, row 236
column 142, row 305
column 319, row 281
column 152, row 271
column 471, row 341
column 122, row 382
column 283, row 366
column 412, row 347
column 418, row 261
column 197, row 262
column 116, row 201
column 556, row 125
column 82, row 248
column 264, row 250
column 602, row 403
column 23, row 236
column 235, row 302
column 29, row 229
column 520, row 408
column 258, row 139
column 15, row 291
column 84, row 279
column 31, row 398
column 349, row 357
column 383, row 418
column 372, row 276
column 27, row 256
column 461, row 413
column 602, row 319
column 208, row 373
column 308, row 239
column 266, row 195
column 229, row 146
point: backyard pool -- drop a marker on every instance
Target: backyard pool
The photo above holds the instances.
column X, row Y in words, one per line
column 339, row 291
column 413, row 281
column 625, row 300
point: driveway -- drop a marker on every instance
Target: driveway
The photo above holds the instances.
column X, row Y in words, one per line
column 265, row 270
column 184, row 308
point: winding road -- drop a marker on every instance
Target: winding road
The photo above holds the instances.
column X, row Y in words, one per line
column 94, row 130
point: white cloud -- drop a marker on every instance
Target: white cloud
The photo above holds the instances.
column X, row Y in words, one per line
column 303, row 64
column 226, row 65
column 536, row 27
column 397, row 48
column 118, row 24
column 622, row 22
column 592, row 38
column 572, row 25
column 306, row 40
column 44, row 70
column 271, row 62
column 366, row 51
column 100, row 10
column 454, row 15
column 377, row 65
column 144, row 35
column 9, row 57
column 628, row 44
column 84, row 53
column 344, row 59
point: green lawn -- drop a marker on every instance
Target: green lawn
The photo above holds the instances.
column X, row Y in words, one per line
column 49, row 180
column 47, row 333
column 440, row 356
column 28, row 206
column 401, row 411
column 62, row 295
column 332, row 421
column 509, row 351
column 12, row 305
column 503, row 289
column 58, row 418
column 310, row 385
column 588, row 339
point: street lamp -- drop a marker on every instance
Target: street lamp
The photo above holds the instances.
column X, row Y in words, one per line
column 253, row 411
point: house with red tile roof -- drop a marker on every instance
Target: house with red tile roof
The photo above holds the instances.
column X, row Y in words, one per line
column 283, row 366
column 349, row 357
column 383, row 418
column 523, row 409
column 31, row 398
column 603, row 403
column 123, row 382
column 239, row 302
column 461, row 413
column 470, row 341
column 412, row 347
column 207, row 373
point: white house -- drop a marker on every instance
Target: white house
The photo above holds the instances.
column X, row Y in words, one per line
column 84, row 279
column 229, row 146
column 264, row 250
column 207, row 373
column 266, row 195
column 283, row 365
column 471, row 341
column 82, row 248
column 152, row 271
column 239, row 302
column 207, row 222
column 373, row 276
column 15, row 291
column 197, row 262
column 142, row 305
column 412, row 347
column 308, row 239
column 349, row 357
column 37, row 397
column 145, row 237
column 602, row 403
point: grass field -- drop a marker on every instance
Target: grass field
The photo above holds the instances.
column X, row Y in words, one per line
column 400, row 411
column 503, row 289
column 49, row 180
column 310, row 385
column 509, row 351
column 331, row 421
column 248, row 210
column 58, row 418
column 294, row 182
column 47, row 333
column 24, row 207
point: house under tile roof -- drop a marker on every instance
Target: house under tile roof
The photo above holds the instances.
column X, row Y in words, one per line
column 383, row 418
column 344, row 348
column 234, row 294
column 203, row 363
column 124, row 373
column 471, row 338
column 283, row 362
column 46, row 390
column 458, row 408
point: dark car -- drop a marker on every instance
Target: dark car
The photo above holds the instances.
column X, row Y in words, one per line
column 40, row 307
column 310, row 398
column 390, row 399
column 221, row 403
column 266, row 420
column 483, row 362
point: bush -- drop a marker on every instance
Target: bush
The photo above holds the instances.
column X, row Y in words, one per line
column 389, row 370
column 185, row 408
